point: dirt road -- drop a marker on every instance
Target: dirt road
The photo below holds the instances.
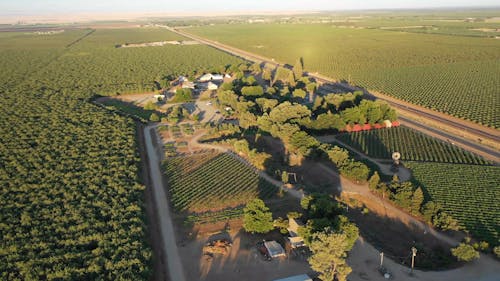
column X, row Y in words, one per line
column 170, row 249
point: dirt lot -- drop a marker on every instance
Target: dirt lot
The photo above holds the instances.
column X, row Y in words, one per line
column 243, row 263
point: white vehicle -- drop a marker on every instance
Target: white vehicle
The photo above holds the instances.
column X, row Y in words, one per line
column 209, row 103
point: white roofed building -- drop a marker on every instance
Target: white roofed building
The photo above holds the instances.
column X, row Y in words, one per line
column 211, row 77
column 274, row 249
column 293, row 227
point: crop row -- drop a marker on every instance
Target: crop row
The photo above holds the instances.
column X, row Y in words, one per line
column 210, row 181
column 411, row 144
column 212, row 217
column 468, row 192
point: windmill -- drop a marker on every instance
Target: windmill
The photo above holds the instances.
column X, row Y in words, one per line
column 396, row 156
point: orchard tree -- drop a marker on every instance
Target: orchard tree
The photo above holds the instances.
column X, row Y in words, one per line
column 257, row 218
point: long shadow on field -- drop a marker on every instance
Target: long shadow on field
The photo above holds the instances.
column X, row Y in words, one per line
column 303, row 173
column 396, row 239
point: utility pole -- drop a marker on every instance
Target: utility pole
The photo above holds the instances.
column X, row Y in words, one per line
column 413, row 254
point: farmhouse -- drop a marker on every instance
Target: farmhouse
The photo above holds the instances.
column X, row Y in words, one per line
column 211, row 77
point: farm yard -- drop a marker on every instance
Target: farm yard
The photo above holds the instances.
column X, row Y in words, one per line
column 426, row 69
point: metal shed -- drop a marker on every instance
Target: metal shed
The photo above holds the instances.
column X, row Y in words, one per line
column 274, row 249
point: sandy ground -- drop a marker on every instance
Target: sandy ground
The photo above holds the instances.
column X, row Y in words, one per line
column 243, row 263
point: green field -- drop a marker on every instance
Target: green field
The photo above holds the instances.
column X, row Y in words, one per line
column 211, row 182
column 413, row 146
column 457, row 75
column 71, row 204
column 468, row 192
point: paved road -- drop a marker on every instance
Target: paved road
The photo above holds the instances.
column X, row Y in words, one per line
column 486, row 152
column 440, row 120
column 170, row 249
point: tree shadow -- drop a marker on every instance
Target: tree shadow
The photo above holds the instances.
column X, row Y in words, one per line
column 395, row 239
column 308, row 175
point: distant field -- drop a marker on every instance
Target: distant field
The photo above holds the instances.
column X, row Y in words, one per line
column 413, row 146
column 470, row 193
column 457, row 75
column 211, row 182
column 93, row 64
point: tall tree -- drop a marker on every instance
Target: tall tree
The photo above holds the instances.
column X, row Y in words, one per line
column 298, row 68
column 328, row 256
column 416, row 201
column 374, row 181
column 257, row 218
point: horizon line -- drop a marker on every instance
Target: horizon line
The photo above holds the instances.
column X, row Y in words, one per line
column 84, row 17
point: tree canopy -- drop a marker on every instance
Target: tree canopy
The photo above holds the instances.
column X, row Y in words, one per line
column 257, row 218
column 329, row 256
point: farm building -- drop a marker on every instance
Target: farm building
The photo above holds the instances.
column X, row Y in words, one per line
column 274, row 249
column 212, row 86
column 294, row 239
column 303, row 277
column 211, row 77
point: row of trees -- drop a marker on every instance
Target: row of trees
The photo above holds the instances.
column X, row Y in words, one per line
column 411, row 199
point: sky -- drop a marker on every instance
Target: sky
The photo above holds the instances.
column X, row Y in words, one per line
column 54, row 7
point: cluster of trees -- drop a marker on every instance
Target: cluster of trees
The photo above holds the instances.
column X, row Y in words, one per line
column 348, row 167
column 282, row 111
column 257, row 159
column 329, row 235
column 183, row 95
